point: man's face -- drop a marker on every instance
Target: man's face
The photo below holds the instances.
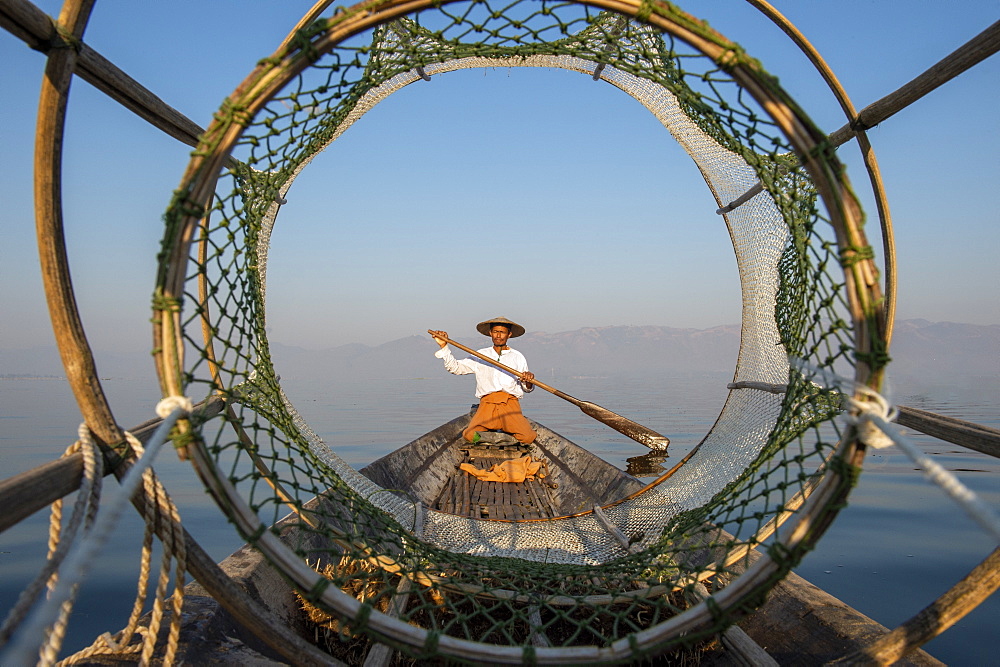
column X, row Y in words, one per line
column 499, row 334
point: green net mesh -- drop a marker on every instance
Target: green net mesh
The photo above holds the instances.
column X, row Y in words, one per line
column 383, row 564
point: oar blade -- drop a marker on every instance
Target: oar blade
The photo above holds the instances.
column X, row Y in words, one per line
column 638, row 432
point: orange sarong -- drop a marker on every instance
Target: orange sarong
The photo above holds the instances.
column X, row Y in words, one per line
column 501, row 410
column 513, row 470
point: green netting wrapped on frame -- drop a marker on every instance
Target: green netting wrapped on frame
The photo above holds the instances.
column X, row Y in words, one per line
column 438, row 584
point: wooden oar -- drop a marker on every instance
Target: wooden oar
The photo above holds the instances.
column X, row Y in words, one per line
column 637, row 432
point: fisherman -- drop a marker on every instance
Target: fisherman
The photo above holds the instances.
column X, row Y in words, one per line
column 498, row 391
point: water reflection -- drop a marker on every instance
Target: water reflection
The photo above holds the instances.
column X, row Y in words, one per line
column 647, row 465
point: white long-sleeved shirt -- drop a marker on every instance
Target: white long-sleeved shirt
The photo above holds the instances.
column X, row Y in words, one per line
column 489, row 378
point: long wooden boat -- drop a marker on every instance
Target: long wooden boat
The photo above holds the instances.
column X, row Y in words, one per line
column 571, row 479
column 799, row 623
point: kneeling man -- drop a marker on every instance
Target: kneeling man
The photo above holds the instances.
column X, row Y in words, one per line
column 498, row 391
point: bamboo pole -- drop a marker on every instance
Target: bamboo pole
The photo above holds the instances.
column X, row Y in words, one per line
column 381, row 655
column 24, row 494
column 30, row 24
column 980, row 438
column 969, row 54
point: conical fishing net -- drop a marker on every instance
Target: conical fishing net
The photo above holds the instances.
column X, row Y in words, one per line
column 569, row 589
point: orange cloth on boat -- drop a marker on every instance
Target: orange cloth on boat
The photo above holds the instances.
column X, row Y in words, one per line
column 512, row 470
column 501, row 410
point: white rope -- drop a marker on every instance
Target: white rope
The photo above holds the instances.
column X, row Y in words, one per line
column 167, row 406
column 871, row 405
column 84, row 511
column 872, row 414
column 158, row 510
column 84, row 552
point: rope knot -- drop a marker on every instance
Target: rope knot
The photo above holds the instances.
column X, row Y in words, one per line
column 167, row 406
column 858, row 126
column 728, row 59
column 61, row 37
column 871, row 404
column 867, row 407
column 852, row 255
column 644, row 11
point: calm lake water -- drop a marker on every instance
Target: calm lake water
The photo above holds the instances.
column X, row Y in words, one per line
column 898, row 545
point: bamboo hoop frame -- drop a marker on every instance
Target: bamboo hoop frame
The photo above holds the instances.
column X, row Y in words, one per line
column 71, row 339
column 861, row 285
column 269, row 77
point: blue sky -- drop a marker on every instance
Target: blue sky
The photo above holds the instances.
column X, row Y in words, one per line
column 543, row 196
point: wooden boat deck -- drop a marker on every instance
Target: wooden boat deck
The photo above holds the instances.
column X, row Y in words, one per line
column 428, row 470
column 467, row 495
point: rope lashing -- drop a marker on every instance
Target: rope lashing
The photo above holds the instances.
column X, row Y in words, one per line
column 730, row 58
column 874, row 404
column 62, row 38
column 42, row 633
column 851, row 256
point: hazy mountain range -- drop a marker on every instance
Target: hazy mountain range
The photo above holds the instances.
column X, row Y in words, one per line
column 920, row 348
